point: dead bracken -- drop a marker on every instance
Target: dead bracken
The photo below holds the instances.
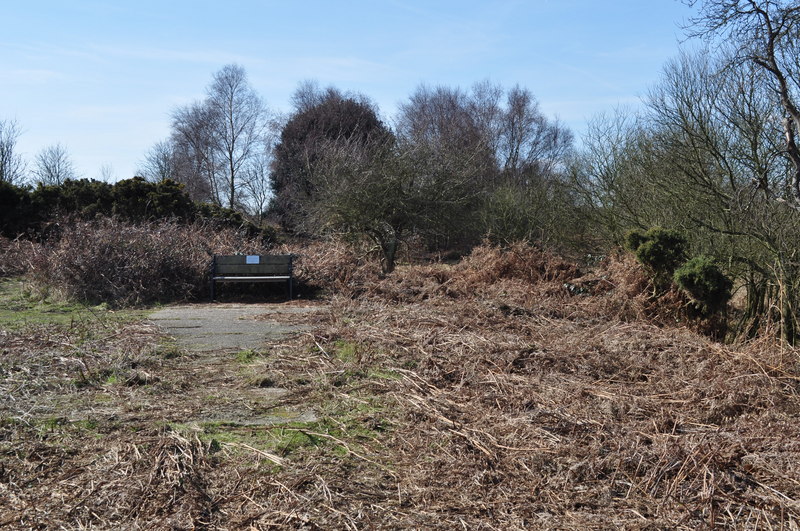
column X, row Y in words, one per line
column 483, row 395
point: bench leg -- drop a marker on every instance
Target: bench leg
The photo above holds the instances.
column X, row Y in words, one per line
column 290, row 289
column 212, row 290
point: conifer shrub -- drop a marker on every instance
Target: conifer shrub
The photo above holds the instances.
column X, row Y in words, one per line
column 633, row 239
column 79, row 198
column 138, row 200
column 660, row 250
column 705, row 283
column 15, row 209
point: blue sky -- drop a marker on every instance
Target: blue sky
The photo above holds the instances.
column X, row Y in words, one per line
column 102, row 77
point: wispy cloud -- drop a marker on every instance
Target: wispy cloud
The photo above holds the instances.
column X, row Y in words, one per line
column 215, row 57
column 326, row 67
column 29, row 76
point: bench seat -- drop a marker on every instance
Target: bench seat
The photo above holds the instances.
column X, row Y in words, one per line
column 251, row 268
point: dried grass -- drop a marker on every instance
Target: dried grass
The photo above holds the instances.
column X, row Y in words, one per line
column 489, row 395
column 16, row 256
column 542, row 416
column 332, row 267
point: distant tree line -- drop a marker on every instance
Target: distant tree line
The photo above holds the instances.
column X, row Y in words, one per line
column 455, row 167
column 30, row 211
column 713, row 158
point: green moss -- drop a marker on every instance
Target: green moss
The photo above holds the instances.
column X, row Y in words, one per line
column 248, row 355
column 346, row 351
column 21, row 306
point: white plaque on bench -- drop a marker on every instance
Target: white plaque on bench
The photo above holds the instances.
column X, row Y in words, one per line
column 250, row 259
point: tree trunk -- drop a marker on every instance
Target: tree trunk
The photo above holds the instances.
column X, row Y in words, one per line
column 389, row 249
column 787, row 294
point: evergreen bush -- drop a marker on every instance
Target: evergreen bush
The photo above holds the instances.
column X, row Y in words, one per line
column 705, row 283
column 660, row 250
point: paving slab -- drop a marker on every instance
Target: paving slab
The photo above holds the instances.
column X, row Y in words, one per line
column 211, row 334
column 229, row 326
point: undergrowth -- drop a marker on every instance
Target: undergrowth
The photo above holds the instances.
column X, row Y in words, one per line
column 509, row 391
column 123, row 264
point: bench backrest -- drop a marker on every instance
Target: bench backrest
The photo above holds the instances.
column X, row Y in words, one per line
column 254, row 265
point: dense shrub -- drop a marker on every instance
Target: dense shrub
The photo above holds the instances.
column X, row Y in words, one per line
column 15, row 210
column 705, row 283
column 35, row 212
column 633, row 239
column 139, row 200
column 80, row 198
column 16, row 256
column 332, row 266
column 660, row 250
column 123, row 264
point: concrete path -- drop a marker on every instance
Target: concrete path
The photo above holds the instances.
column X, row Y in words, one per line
column 229, row 327
column 223, row 389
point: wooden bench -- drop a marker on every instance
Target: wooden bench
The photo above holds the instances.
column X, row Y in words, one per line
column 251, row 268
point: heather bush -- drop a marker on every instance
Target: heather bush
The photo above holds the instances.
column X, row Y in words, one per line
column 123, row 264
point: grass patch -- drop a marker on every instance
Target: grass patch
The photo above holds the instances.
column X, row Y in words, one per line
column 346, row 351
column 384, row 374
column 61, row 426
column 169, row 349
column 248, row 355
column 21, row 306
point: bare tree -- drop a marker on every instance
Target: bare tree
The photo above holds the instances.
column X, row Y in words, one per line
column 764, row 33
column 53, row 165
column 106, row 173
column 12, row 166
column 472, row 142
column 214, row 140
column 240, row 123
column 194, row 145
column 257, row 184
column 529, row 145
column 159, row 162
column 309, row 94
column 367, row 188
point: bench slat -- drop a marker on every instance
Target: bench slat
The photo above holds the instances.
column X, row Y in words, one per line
column 241, row 259
column 252, row 269
column 253, row 279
